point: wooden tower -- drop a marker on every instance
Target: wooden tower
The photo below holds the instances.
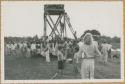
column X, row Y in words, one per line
column 58, row 28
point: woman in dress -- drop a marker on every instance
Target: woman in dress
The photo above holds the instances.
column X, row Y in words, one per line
column 89, row 50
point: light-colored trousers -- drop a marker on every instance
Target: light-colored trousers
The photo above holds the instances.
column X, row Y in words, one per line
column 87, row 69
column 47, row 57
column 105, row 57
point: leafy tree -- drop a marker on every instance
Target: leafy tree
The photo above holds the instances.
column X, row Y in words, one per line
column 116, row 39
column 35, row 38
column 95, row 32
column 87, row 31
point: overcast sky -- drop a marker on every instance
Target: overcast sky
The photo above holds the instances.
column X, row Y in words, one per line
column 26, row 18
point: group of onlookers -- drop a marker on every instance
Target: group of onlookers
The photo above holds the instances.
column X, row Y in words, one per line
column 84, row 52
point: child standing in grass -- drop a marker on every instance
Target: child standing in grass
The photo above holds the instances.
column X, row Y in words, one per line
column 76, row 61
column 60, row 60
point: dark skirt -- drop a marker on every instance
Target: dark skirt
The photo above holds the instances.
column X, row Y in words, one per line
column 60, row 64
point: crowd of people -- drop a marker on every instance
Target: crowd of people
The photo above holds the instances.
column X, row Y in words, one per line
column 82, row 52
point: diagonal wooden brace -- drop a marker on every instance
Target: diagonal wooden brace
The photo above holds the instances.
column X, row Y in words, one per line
column 56, row 24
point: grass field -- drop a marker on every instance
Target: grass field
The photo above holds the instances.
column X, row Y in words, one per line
column 19, row 67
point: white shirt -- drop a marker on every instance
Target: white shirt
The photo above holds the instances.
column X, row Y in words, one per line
column 41, row 45
column 104, row 49
column 13, row 47
column 24, row 45
column 80, row 45
column 20, row 45
column 95, row 43
column 89, row 50
column 76, row 57
column 8, row 46
column 33, row 46
column 60, row 55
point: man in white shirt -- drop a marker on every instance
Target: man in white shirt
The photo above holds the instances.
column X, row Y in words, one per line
column 20, row 45
column 24, row 44
column 13, row 46
column 33, row 48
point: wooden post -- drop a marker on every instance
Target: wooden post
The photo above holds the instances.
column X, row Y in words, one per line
column 65, row 26
column 44, row 31
column 56, row 24
column 50, row 26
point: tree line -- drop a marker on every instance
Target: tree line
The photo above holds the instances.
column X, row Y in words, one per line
column 95, row 33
